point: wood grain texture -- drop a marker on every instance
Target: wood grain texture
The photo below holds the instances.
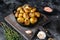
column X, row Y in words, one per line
column 12, row 21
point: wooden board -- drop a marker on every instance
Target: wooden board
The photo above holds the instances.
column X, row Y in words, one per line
column 12, row 21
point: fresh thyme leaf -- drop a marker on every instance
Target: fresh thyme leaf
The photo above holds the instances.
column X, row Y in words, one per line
column 10, row 34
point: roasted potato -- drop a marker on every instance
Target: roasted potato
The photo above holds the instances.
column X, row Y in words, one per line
column 27, row 7
column 21, row 11
column 32, row 14
column 27, row 22
column 33, row 20
column 20, row 15
column 20, row 20
column 37, row 14
column 26, row 10
column 33, row 10
column 16, row 14
column 19, row 8
column 26, row 16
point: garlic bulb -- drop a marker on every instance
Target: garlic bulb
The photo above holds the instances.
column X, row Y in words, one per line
column 41, row 35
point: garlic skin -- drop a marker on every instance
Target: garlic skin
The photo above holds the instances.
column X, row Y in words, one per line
column 41, row 35
column 28, row 31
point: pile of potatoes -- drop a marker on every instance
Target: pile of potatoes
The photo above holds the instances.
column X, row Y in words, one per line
column 27, row 15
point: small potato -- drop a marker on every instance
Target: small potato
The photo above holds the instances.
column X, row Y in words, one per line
column 33, row 10
column 37, row 14
column 31, row 14
column 33, row 20
column 19, row 8
column 16, row 14
column 21, row 11
column 20, row 20
column 27, row 22
column 27, row 7
column 25, row 16
column 20, row 15
column 26, row 10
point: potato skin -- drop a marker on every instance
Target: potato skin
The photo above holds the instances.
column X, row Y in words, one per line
column 25, row 16
column 33, row 20
column 26, row 10
column 16, row 14
column 21, row 11
column 27, row 22
column 37, row 14
column 20, row 20
column 20, row 15
column 31, row 14
column 19, row 8
column 33, row 10
column 26, row 6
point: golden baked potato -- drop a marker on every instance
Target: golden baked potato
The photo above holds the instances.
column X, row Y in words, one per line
column 20, row 20
column 32, row 14
column 33, row 20
column 19, row 8
column 33, row 10
column 16, row 14
column 37, row 14
column 26, row 16
column 20, row 15
column 21, row 11
column 27, row 22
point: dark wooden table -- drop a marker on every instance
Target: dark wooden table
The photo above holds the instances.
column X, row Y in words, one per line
column 7, row 7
